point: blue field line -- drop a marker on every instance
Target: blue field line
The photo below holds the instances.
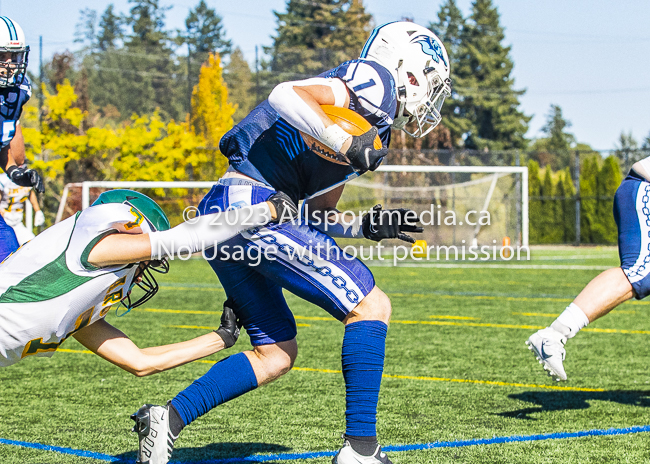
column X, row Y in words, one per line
column 60, row 449
column 322, row 454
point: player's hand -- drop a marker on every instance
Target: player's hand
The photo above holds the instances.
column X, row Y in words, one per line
column 39, row 218
column 229, row 328
column 379, row 224
column 362, row 153
column 26, row 178
column 285, row 209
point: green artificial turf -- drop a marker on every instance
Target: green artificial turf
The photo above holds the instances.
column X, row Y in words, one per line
column 456, row 369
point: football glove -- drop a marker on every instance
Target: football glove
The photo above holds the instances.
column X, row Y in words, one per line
column 26, row 178
column 229, row 328
column 39, row 218
column 379, row 224
column 362, row 153
column 285, row 209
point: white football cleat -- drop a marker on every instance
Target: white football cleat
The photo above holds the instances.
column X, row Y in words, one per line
column 347, row 455
column 156, row 441
column 548, row 346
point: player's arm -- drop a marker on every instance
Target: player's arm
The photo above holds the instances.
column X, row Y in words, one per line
column 12, row 156
column 194, row 235
column 17, row 146
column 114, row 346
column 299, row 103
column 39, row 217
column 377, row 224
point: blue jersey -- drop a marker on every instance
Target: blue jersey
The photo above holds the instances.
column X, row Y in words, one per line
column 267, row 148
column 12, row 100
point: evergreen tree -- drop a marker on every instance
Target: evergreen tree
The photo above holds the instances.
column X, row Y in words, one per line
column 449, row 28
column 239, row 81
column 134, row 71
column 204, row 34
column 567, row 211
column 535, row 208
column 110, row 29
column 646, row 143
column 85, row 30
column 558, row 142
column 489, row 100
column 315, row 36
column 588, row 198
column 627, row 151
column 151, row 67
column 552, row 232
column 609, row 178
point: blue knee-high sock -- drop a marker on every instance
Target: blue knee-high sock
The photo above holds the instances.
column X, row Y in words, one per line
column 228, row 379
column 362, row 358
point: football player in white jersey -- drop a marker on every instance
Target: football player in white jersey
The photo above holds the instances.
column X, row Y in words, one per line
column 12, row 208
column 613, row 286
column 63, row 282
column 400, row 80
column 15, row 91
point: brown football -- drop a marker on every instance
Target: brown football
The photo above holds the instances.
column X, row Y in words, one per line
column 351, row 122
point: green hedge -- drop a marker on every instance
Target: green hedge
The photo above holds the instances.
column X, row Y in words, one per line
column 553, row 201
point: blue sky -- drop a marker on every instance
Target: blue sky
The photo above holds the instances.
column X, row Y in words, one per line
column 591, row 57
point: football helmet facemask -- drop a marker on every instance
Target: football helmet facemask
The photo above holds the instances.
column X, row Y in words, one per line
column 14, row 53
column 419, row 64
column 157, row 222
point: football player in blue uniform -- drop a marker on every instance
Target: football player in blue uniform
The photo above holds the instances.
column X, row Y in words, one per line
column 400, row 80
column 612, row 287
column 15, row 90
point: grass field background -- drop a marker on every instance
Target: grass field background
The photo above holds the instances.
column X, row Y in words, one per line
column 456, row 369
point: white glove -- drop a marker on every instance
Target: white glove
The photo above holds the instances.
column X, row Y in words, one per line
column 39, row 218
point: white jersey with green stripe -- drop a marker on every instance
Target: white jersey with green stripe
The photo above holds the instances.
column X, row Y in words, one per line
column 49, row 290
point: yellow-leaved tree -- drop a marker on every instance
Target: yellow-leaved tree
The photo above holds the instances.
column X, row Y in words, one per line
column 211, row 112
column 146, row 148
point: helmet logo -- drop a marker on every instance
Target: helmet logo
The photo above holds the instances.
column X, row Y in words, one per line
column 430, row 46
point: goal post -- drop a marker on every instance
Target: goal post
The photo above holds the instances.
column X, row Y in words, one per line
column 481, row 184
column 501, row 189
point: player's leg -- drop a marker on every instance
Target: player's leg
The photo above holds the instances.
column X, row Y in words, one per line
column 610, row 288
column 8, row 240
column 362, row 358
column 309, row 264
column 261, row 307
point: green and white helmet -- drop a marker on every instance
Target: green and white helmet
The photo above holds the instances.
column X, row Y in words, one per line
column 157, row 220
column 154, row 215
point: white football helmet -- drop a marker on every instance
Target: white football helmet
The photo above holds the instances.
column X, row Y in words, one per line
column 13, row 53
column 419, row 63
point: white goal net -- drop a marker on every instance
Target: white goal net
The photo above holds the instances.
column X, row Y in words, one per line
column 458, row 205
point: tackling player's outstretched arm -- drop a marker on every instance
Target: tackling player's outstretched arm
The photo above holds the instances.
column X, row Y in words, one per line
column 196, row 235
column 114, row 346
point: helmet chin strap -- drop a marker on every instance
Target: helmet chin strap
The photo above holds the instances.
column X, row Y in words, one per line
column 401, row 119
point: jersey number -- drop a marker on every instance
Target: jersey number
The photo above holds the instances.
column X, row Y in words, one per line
column 8, row 131
column 37, row 346
column 365, row 85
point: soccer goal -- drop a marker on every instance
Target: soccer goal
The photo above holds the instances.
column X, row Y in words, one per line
column 457, row 204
